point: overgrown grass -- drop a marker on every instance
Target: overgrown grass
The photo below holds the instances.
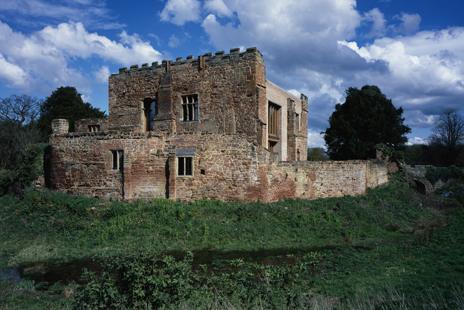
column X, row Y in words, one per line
column 386, row 250
column 47, row 226
column 24, row 295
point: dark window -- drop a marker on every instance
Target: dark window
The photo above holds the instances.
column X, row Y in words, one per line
column 118, row 159
column 273, row 147
column 94, row 128
column 184, row 166
column 297, row 122
column 150, row 110
column 190, row 108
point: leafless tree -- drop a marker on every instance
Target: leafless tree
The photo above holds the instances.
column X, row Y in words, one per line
column 449, row 130
column 22, row 109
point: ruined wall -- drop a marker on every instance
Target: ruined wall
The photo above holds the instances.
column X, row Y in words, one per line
column 82, row 125
column 297, row 129
column 227, row 86
column 293, row 122
column 309, row 180
column 228, row 143
column 225, row 167
column 230, row 168
column 278, row 96
column 82, row 164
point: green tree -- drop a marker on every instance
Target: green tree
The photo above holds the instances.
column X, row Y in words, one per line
column 317, row 154
column 20, row 153
column 65, row 102
column 367, row 118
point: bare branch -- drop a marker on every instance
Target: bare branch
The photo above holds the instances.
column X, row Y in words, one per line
column 20, row 109
column 449, row 130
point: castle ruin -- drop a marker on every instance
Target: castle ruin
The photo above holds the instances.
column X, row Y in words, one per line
column 210, row 127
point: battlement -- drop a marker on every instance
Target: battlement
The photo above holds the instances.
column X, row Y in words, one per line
column 210, row 57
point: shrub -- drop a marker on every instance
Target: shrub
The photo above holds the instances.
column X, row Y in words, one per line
column 137, row 282
column 445, row 174
column 28, row 168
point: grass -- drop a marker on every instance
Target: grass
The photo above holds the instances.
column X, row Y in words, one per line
column 24, row 295
column 388, row 249
column 47, row 226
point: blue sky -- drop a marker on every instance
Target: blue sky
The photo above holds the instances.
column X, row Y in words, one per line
column 413, row 50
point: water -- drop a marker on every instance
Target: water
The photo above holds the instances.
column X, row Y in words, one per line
column 10, row 274
column 49, row 273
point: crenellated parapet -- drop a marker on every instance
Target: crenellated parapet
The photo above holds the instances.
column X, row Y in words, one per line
column 200, row 61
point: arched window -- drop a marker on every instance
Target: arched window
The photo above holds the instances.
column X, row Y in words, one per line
column 150, row 110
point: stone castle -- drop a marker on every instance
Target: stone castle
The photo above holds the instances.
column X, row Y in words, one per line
column 210, row 127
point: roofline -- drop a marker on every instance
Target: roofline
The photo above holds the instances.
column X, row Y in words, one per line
column 285, row 91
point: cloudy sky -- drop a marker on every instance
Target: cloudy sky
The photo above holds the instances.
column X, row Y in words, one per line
column 413, row 50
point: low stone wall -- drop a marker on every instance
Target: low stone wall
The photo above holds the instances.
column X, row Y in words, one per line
column 310, row 180
column 225, row 167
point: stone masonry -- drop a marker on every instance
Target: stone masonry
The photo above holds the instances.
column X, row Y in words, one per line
column 210, row 127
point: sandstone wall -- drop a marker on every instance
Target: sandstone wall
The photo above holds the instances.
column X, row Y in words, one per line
column 82, row 164
column 310, row 180
column 228, row 143
column 225, row 167
column 82, row 125
column 229, row 88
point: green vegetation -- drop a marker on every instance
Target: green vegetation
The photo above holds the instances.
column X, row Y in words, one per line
column 317, row 154
column 365, row 119
column 65, row 102
column 25, row 123
column 390, row 249
column 46, row 226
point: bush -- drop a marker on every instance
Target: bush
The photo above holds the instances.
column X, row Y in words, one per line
column 434, row 174
column 145, row 282
column 28, row 168
column 140, row 282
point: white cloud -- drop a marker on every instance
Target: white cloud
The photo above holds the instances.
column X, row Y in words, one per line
column 316, row 139
column 409, row 23
column 217, row 7
column 377, row 19
column 12, row 73
column 180, row 12
column 102, row 74
column 45, row 56
column 422, row 67
column 416, row 140
column 286, row 20
column 74, row 40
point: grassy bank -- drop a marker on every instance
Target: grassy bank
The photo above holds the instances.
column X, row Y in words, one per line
column 47, row 226
column 390, row 246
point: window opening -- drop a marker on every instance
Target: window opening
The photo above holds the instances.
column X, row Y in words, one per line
column 184, row 166
column 118, row 160
column 150, row 110
column 274, row 121
column 94, row 128
column 190, row 108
